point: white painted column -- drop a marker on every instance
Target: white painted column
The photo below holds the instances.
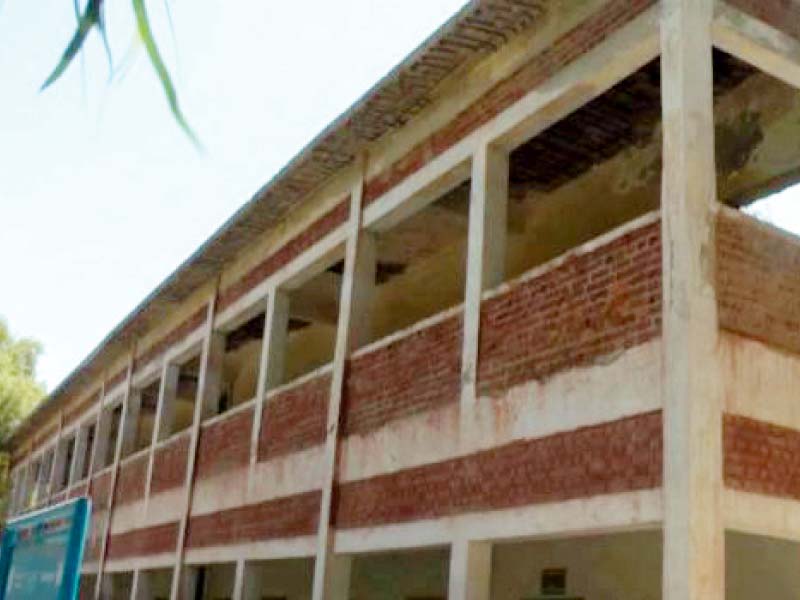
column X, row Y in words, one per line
column 248, row 583
column 102, row 434
column 165, row 407
column 130, row 432
column 486, row 255
column 694, row 544
column 141, row 588
column 272, row 363
column 331, row 572
column 78, row 455
column 208, row 385
column 208, row 396
column 470, row 570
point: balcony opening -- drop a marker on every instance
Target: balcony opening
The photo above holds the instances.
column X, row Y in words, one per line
column 409, row 574
column 88, row 451
column 313, row 316
column 186, row 394
column 420, row 263
column 241, row 362
column 65, row 464
column 146, row 419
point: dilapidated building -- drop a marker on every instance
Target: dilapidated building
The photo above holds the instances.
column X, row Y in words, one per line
column 501, row 331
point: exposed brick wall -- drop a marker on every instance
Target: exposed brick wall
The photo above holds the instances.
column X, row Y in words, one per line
column 70, row 416
column 100, row 490
column 142, row 542
column 758, row 281
column 614, row 457
column 781, row 14
column 412, row 374
column 225, row 445
column 590, row 306
column 131, row 480
column 291, row 516
column 286, row 253
column 565, row 50
column 295, row 419
column 761, row 457
column 186, row 327
column 169, row 465
column 59, row 497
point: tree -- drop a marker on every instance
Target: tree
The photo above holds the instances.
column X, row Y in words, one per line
column 19, row 392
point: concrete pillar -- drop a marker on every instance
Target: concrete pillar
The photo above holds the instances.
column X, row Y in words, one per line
column 272, row 363
column 130, row 432
column 165, row 408
column 694, row 544
column 101, row 440
column 208, row 394
column 470, row 570
column 486, row 254
column 141, row 588
column 79, row 454
column 249, row 581
column 331, row 572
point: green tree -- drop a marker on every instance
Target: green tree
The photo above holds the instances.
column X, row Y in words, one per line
column 19, row 392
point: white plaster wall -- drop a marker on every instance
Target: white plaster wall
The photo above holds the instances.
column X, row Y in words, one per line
column 760, row 382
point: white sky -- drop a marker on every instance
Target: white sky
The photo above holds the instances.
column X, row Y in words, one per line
column 101, row 195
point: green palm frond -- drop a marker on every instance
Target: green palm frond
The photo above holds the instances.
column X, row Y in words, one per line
column 146, row 33
column 90, row 18
column 93, row 17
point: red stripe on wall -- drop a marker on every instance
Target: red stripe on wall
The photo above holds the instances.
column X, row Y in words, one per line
column 614, row 457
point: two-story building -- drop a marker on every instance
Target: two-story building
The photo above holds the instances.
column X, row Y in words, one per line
column 500, row 331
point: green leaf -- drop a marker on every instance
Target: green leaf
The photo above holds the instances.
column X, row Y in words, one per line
column 146, row 33
column 90, row 18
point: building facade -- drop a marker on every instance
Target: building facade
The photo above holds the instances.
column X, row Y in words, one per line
column 501, row 331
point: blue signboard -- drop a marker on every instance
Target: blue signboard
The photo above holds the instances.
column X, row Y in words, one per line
column 41, row 553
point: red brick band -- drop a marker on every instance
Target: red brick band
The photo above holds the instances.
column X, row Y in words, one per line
column 761, row 457
column 287, row 517
column 295, row 419
column 131, row 480
column 413, row 374
column 142, row 542
column 224, row 445
column 590, row 306
column 614, row 457
column 758, row 281
column 169, row 464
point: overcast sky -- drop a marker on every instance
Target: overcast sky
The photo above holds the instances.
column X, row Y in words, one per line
column 102, row 196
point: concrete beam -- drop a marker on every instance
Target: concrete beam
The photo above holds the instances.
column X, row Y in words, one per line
column 694, row 544
column 757, row 43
